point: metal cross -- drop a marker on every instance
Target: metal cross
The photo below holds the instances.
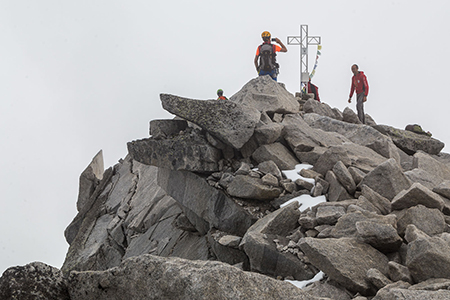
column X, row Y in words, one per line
column 304, row 41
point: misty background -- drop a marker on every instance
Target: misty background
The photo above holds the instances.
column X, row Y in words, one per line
column 80, row 76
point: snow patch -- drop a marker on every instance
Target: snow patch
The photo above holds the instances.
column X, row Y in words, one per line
column 301, row 284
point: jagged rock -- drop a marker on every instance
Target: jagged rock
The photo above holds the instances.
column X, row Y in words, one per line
column 426, row 162
column 357, row 174
column 406, row 161
column 412, row 233
column 231, row 122
column 381, row 203
column 302, row 138
column 262, row 252
column 411, row 142
column 312, row 106
column 269, row 167
column 303, row 184
column 337, row 114
column 175, row 278
column 89, row 180
column 34, row 281
column 383, row 237
column 184, row 152
column 268, row 133
column 225, row 248
column 225, row 180
column 329, row 215
column 328, row 289
column 230, row 241
column 378, row 279
column 369, row 120
column 423, row 177
column 336, row 192
column 207, row 203
column 160, row 129
column 248, row 187
column 346, row 225
column 288, row 185
column 433, row 284
column 398, row 272
column 443, row 189
column 332, row 256
column 269, row 180
column 352, row 155
column 266, row 95
column 363, row 135
column 344, row 177
column 277, row 153
column 429, row 220
column 428, row 258
column 417, row 194
column 387, row 179
column 350, row 116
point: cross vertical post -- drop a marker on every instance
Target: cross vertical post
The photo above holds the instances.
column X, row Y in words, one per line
column 304, row 40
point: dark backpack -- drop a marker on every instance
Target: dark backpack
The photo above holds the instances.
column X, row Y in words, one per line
column 267, row 57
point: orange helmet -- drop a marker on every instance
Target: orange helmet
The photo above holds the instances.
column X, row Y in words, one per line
column 265, row 34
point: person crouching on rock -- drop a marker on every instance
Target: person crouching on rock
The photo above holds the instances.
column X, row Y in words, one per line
column 220, row 95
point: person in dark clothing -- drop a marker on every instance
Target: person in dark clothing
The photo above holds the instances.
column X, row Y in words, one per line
column 314, row 90
column 361, row 86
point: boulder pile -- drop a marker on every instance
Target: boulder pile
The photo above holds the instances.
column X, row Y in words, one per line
column 203, row 208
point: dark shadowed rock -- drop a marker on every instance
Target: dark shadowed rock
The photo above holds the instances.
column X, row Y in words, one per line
column 89, row 180
column 357, row 174
column 387, row 179
column 383, row 237
column 269, row 167
column 248, row 187
column 165, row 128
column 266, row 95
column 277, row 153
column 231, row 122
column 429, row 220
column 417, row 194
column 175, row 278
column 206, row 202
column 258, row 243
column 352, row 155
column 411, row 142
column 34, row 281
column 184, row 152
column 345, row 260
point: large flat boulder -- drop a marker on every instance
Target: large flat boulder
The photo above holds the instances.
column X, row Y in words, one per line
column 429, row 220
column 190, row 152
column 431, row 165
column 258, row 243
column 411, row 142
column 360, row 134
column 248, row 187
column 417, row 194
column 266, row 95
column 406, row 294
column 345, row 260
column 175, row 278
column 387, row 179
column 230, row 122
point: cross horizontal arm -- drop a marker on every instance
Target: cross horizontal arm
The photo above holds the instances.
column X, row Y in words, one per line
column 314, row 40
column 293, row 40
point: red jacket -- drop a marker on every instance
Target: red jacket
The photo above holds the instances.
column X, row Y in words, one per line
column 359, row 83
column 313, row 89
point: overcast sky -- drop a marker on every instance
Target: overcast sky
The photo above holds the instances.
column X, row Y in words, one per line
column 80, row 76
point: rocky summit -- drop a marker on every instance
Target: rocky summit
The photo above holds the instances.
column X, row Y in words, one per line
column 204, row 208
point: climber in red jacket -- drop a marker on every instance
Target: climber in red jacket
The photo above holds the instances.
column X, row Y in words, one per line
column 360, row 85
